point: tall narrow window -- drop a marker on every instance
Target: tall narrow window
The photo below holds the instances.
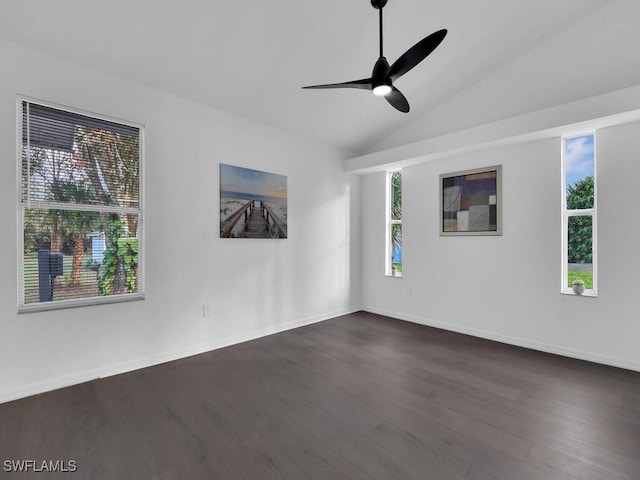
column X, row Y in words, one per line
column 394, row 224
column 80, row 209
column 579, row 222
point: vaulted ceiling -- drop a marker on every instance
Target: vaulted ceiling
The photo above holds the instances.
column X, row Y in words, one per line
column 251, row 57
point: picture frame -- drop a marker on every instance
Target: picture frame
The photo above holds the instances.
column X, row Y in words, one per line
column 253, row 203
column 471, row 202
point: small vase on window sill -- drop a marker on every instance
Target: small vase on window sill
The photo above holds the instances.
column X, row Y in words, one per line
column 578, row 286
column 393, row 270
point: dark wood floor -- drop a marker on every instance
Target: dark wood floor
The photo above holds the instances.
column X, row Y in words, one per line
column 353, row 398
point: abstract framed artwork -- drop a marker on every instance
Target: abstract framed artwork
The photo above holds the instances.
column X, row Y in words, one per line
column 471, row 202
column 253, row 203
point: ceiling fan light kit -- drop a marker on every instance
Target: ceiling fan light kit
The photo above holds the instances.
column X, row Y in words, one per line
column 382, row 90
column 383, row 75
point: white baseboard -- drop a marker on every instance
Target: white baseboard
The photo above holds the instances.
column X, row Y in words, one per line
column 7, row 395
column 517, row 341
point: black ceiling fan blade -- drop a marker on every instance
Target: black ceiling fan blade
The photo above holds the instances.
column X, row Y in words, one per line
column 364, row 84
column 416, row 54
column 397, row 100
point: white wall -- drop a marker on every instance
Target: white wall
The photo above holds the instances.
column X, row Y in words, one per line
column 508, row 288
column 255, row 287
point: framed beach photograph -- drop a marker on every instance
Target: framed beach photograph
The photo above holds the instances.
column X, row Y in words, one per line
column 253, row 203
column 471, row 202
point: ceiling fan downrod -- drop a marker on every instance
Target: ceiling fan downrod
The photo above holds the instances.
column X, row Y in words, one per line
column 381, row 85
column 381, row 43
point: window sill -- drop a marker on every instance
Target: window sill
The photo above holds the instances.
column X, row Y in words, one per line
column 65, row 304
column 397, row 275
column 587, row 293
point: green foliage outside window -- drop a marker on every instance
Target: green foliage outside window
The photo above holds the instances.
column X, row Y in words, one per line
column 580, row 228
column 581, row 194
column 119, row 270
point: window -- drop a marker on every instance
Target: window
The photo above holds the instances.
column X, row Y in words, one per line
column 579, row 219
column 79, row 208
column 393, row 249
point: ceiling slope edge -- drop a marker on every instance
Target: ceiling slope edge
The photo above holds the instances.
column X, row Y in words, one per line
column 613, row 108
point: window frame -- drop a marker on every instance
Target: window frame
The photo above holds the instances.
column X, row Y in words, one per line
column 586, row 212
column 22, row 205
column 390, row 221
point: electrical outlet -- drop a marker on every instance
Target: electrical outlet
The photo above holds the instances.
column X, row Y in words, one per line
column 206, row 310
column 409, row 291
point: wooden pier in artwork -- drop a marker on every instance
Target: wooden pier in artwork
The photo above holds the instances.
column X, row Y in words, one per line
column 254, row 219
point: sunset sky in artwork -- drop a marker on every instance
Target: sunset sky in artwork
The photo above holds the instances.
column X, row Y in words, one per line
column 245, row 180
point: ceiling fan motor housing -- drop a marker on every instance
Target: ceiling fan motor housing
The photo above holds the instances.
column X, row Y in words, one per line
column 380, row 75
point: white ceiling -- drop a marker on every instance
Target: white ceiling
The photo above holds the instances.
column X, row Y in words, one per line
column 250, row 57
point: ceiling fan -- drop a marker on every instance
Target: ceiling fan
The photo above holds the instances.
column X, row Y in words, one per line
column 383, row 75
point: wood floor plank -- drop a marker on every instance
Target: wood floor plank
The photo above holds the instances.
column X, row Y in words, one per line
column 335, row 435
column 357, row 397
column 465, row 445
column 561, row 466
column 339, row 405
